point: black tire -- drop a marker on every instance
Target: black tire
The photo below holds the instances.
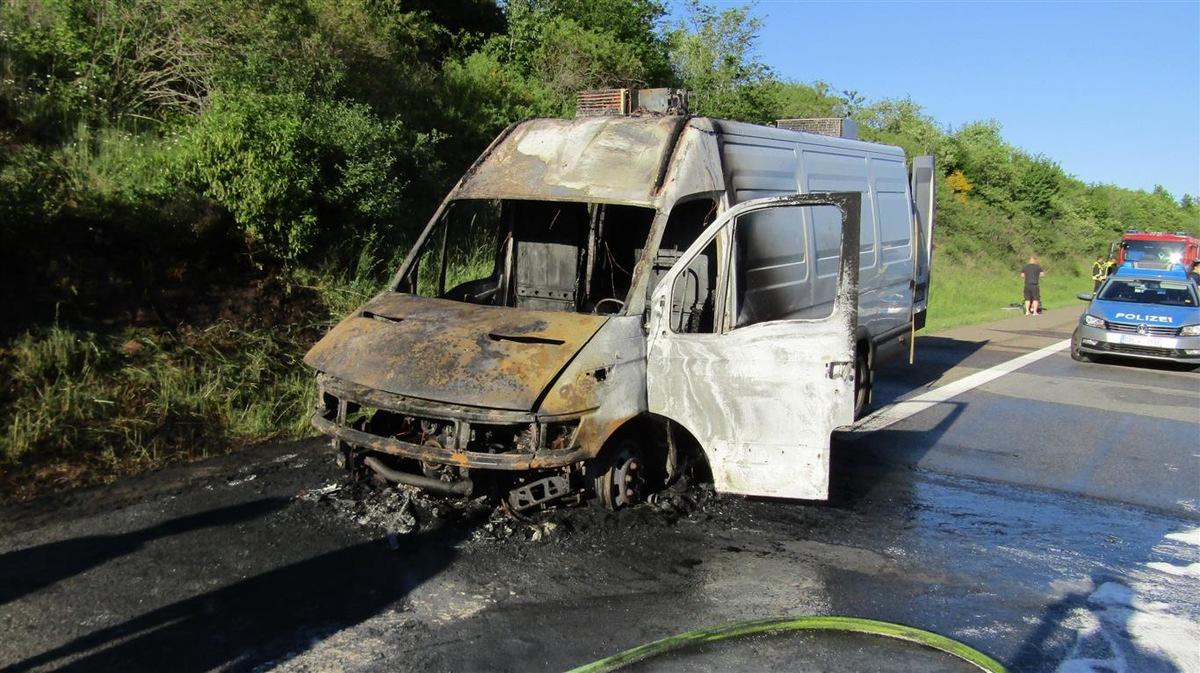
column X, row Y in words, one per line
column 862, row 382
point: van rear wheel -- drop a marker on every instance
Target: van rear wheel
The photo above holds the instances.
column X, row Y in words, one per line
column 862, row 383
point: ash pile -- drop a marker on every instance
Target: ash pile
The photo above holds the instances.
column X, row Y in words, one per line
column 399, row 510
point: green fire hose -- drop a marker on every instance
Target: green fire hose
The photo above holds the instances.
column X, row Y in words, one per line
column 782, row 624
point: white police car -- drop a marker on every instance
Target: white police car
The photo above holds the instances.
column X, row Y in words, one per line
column 1139, row 312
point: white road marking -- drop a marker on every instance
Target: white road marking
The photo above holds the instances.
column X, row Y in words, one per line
column 894, row 413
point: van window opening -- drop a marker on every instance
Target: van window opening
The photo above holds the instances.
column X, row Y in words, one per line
column 772, row 268
column 541, row 255
column 692, row 308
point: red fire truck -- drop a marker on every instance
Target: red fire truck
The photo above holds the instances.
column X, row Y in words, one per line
column 1143, row 246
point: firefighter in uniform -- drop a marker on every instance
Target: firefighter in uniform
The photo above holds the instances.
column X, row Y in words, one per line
column 1100, row 270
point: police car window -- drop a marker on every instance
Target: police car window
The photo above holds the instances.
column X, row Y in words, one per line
column 1178, row 294
column 1150, row 292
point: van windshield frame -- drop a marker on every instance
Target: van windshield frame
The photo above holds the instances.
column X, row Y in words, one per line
column 567, row 256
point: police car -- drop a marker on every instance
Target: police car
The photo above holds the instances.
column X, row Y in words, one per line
column 1141, row 312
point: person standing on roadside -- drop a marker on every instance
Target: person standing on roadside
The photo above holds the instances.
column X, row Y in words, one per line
column 1032, row 273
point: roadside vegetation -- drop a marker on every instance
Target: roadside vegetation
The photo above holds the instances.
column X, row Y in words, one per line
column 191, row 191
column 970, row 292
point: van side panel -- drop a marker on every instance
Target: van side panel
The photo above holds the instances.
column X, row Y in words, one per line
column 828, row 171
column 758, row 170
column 894, row 275
column 762, row 161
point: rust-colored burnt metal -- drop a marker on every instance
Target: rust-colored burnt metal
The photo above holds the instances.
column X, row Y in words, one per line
column 462, row 385
column 602, row 102
column 453, row 352
column 445, row 434
column 609, row 159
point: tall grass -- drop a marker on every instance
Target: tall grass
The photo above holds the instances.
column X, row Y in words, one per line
column 373, row 270
column 366, row 275
column 84, row 407
column 979, row 290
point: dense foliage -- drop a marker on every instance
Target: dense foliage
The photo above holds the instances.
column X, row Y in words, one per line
column 153, row 152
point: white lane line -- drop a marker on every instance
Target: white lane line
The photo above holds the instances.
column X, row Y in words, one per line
column 894, row 413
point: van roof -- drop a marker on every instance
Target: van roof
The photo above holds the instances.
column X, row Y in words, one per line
column 623, row 159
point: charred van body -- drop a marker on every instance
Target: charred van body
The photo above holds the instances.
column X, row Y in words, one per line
column 603, row 303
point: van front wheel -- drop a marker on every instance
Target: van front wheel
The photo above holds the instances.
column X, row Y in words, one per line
column 621, row 478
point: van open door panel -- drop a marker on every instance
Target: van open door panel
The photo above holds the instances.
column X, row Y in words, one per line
column 760, row 388
column 923, row 177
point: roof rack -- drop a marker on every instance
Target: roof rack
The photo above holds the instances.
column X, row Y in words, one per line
column 614, row 102
column 838, row 127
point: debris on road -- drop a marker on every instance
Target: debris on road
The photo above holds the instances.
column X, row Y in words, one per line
column 243, row 480
column 399, row 510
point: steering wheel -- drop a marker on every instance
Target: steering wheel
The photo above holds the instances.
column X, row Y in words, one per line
column 608, row 300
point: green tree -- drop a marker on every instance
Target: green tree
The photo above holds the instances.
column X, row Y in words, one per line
column 900, row 122
column 551, row 50
column 296, row 172
column 713, row 54
column 802, row 101
column 979, row 151
column 1039, row 181
column 629, row 26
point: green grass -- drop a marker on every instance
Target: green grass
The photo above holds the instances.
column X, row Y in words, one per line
column 973, row 291
column 83, row 407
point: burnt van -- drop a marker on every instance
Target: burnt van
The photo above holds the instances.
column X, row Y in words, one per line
column 604, row 304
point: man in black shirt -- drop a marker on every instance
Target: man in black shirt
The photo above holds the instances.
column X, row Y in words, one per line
column 1031, row 272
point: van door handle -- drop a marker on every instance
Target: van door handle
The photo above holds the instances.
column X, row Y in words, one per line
column 838, row 370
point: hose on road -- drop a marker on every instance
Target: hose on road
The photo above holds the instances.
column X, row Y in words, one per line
column 783, row 624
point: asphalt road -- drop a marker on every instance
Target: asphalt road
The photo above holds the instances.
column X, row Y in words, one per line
column 1046, row 516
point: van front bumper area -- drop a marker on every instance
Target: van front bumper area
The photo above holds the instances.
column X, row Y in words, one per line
column 374, row 421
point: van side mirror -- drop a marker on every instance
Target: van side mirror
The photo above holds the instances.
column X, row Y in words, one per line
column 1086, row 296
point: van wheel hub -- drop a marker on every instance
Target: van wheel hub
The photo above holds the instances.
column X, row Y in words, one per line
column 623, row 483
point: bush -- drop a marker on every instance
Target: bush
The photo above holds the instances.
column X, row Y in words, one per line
column 297, row 173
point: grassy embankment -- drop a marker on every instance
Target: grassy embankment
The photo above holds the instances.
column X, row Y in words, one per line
column 88, row 406
column 85, row 407
column 981, row 292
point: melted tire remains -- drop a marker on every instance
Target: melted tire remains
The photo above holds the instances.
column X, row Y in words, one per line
column 623, row 481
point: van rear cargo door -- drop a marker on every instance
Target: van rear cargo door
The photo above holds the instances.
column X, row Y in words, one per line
column 923, row 177
column 757, row 379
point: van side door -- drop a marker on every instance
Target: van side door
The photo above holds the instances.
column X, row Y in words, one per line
column 760, row 382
